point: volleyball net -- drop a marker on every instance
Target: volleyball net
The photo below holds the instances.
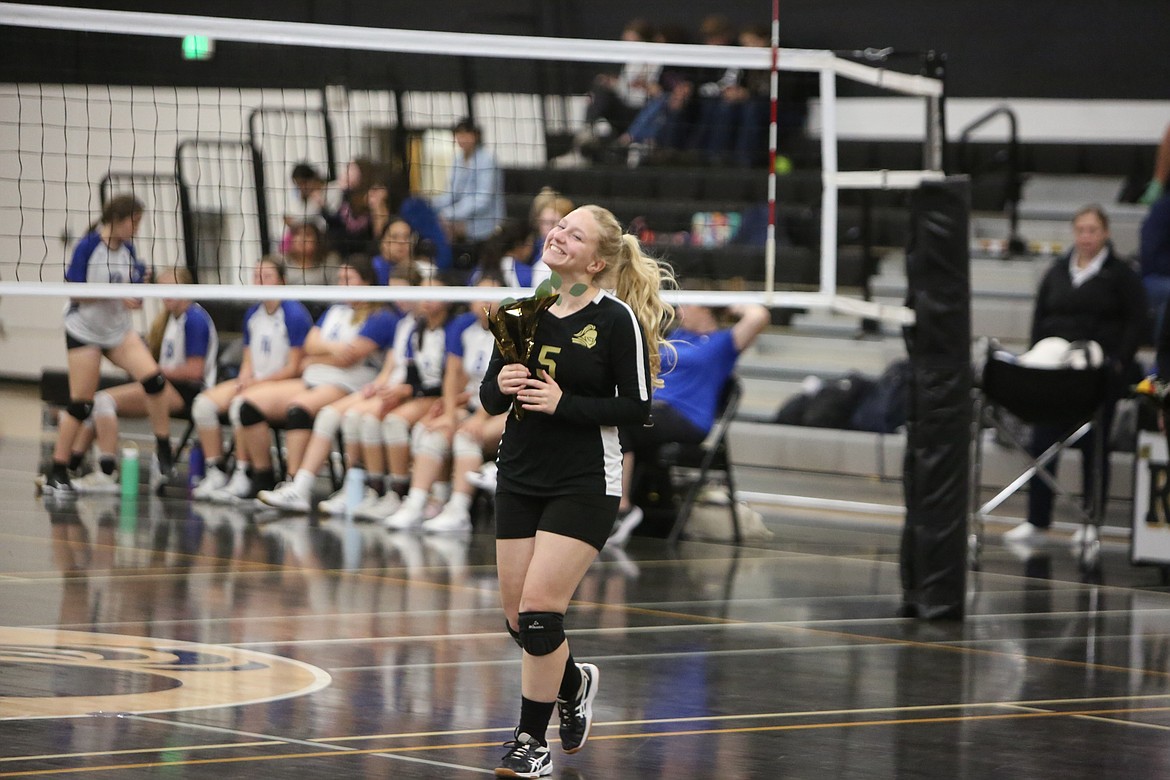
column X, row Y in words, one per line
column 210, row 155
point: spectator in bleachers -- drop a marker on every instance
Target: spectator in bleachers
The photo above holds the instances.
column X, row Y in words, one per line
column 350, row 229
column 700, row 357
column 274, row 343
column 614, row 100
column 394, row 198
column 548, row 208
column 310, row 200
column 473, row 204
column 183, row 340
column 395, row 249
column 507, row 255
column 664, row 120
column 733, row 121
column 1088, row 294
column 343, row 352
column 307, row 259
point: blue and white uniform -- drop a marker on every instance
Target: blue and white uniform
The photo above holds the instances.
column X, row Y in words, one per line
column 473, row 343
column 103, row 323
column 426, row 358
column 191, row 334
column 270, row 337
column 337, row 325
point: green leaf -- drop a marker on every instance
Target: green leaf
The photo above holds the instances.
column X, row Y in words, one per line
column 578, row 289
column 555, row 280
column 544, row 289
column 507, row 301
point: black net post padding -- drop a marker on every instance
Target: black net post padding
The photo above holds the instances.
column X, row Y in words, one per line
column 936, row 471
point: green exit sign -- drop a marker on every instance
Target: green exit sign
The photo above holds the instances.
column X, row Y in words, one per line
column 198, row 47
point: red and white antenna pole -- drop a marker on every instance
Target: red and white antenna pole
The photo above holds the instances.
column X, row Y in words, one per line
column 770, row 241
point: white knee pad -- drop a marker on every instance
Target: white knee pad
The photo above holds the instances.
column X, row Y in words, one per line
column 327, row 422
column 371, row 430
column 103, row 405
column 234, row 411
column 465, row 446
column 431, row 443
column 351, row 427
column 204, row 412
column 395, row 431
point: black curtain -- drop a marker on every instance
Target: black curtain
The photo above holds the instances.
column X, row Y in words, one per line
column 937, row 464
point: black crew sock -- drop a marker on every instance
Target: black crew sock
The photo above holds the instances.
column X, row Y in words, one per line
column 534, row 718
column 75, row 460
column 59, row 472
column 163, row 451
column 570, row 681
column 377, row 484
column 263, row 479
column 107, row 464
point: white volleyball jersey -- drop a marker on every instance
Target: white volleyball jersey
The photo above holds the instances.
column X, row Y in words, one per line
column 104, row 323
column 472, row 343
column 270, row 337
column 337, row 325
column 191, row 334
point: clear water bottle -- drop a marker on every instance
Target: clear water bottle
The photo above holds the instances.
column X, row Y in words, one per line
column 355, row 488
column 129, row 471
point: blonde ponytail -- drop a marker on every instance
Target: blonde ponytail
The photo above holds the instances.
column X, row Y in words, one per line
column 637, row 279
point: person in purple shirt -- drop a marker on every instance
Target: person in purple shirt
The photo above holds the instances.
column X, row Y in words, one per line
column 694, row 374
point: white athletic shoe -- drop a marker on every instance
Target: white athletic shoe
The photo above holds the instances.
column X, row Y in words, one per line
column 485, row 478
column 1024, row 532
column 407, row 517
column 214, row 480
column 335, row 504
column 239, row 488
column 1086, row 534
column 284, row 496
column 449, row 521
column 96, row 482
column 380, row 508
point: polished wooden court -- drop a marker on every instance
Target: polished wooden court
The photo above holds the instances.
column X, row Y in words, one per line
column 157, row 638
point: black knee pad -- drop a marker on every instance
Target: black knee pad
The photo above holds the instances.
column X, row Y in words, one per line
column 153, row 385
column 249, row 414
column 79, row 410
column 514, row 634
column 541, row 632
column 298, row 419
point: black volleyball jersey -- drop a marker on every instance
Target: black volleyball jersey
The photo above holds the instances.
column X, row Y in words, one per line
column 599, row 358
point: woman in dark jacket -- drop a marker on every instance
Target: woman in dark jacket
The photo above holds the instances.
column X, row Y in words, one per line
column 1089, row 294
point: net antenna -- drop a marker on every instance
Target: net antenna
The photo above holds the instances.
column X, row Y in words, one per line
column 25, row 239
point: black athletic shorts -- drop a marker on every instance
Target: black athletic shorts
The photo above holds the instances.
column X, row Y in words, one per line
column 188, row 391
column 73, row 343
column 589, row 518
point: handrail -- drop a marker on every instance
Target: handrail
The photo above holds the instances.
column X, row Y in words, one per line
column 1016, row 244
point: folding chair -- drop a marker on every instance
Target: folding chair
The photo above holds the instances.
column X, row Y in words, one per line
column 1072, row 399
column 694, row 463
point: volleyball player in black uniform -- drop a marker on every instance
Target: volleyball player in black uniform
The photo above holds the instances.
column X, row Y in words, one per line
column 593, row 367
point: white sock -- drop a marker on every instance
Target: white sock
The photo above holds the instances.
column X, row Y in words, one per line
column 460, row 503
column 416, row 499
column 303, row 483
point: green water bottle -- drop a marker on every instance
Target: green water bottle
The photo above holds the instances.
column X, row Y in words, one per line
column 130, row 471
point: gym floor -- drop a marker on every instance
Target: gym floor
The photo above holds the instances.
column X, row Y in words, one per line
column 158, row 638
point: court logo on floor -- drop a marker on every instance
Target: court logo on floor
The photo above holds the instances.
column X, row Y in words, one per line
column 53, row 674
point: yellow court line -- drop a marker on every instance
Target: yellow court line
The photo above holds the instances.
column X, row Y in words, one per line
column 649, row 735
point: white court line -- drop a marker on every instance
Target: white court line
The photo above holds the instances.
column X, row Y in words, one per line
column 313, row 745
column 325, row 741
